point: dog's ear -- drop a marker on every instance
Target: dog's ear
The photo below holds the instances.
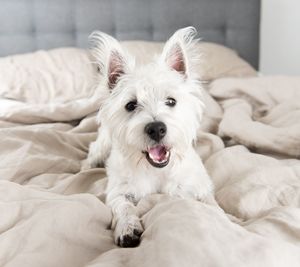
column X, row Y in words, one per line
column 116, row 68
column 111, row 60
column 180, row 52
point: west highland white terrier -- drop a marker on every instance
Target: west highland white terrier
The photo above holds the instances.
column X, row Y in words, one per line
column 149, row 117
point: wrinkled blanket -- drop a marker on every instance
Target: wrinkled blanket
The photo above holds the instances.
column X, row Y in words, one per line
column 53, row 214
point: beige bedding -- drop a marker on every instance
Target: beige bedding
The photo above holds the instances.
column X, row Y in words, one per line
column 53, row 214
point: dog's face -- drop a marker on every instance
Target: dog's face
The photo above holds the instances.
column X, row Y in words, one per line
column 152, row 112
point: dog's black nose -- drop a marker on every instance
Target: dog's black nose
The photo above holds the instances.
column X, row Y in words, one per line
column 156, row 130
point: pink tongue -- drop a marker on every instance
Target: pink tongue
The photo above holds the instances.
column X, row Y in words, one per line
column 157, row 153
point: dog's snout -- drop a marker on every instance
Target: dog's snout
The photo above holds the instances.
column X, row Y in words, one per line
column 156, row 130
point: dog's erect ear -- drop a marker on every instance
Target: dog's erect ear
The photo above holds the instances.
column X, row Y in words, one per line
column 112, row 61
column 116, row 68
column 180, row 52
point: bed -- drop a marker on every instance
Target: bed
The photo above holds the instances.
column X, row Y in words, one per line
column 54, row 214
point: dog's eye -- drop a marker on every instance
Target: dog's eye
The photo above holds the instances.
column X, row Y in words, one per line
column 131, row 106
column 171, row 102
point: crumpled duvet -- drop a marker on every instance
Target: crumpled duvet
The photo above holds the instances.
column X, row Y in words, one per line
column 53, row 214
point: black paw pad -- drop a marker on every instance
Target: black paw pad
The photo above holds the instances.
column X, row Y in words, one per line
column 137, row 232
column 129, row 241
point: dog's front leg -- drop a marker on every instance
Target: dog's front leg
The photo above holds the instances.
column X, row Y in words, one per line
column 126, row 224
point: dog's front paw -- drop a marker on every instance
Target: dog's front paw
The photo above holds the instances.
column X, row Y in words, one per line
column 130, row 240
column 128, row 232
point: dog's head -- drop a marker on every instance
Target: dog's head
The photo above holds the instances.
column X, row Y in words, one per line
column 152, row 111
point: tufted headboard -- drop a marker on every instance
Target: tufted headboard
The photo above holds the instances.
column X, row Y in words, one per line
column 28, row 25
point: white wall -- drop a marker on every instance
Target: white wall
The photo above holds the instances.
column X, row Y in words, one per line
column 280, row 37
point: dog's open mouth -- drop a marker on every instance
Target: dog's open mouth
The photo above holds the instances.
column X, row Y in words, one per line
column 158, row 156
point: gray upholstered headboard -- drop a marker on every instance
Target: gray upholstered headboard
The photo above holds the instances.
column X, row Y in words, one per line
column 28, row 25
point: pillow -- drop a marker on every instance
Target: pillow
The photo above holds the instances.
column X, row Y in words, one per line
column 65, row 74
column 54, row 76
column 217, row 61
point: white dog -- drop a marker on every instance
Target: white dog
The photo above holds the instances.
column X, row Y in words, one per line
column 149, row 118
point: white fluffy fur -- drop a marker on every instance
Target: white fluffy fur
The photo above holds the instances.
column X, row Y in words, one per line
column 121, row 138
